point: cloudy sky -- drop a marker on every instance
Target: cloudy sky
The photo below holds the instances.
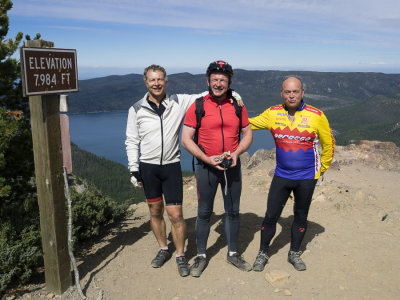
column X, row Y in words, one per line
column 121, row 36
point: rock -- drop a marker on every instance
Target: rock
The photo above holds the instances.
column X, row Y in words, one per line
column 277, row 277
column 381, row 155
column 260, row 156
column 335, row 165
column 277, row 290
column 50, row 296
column 319, row 198
column 187, row 180
column 287, row 292
column 244, row 159
column 271, row 173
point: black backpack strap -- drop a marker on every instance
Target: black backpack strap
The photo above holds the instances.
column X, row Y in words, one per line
column 199, row 115
column 238, row 111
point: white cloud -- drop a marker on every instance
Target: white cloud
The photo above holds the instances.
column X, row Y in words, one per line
column 286, row 32
column 77, row 28
column 220, row 15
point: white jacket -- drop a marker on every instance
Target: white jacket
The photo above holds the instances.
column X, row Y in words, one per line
column 156, row 138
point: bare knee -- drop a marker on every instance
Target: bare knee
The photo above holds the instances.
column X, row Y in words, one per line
column 175, row 216
column 156, row 210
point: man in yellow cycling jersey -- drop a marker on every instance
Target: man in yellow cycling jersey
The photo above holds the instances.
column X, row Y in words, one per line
column 298, row 129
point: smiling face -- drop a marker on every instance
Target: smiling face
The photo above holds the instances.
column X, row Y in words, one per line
column 219, row 84
column 292, row 93
column 155, row 83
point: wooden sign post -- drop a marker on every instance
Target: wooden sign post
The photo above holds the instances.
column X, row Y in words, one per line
column 45, row 71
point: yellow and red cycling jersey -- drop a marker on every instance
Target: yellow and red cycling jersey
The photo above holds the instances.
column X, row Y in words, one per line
column 297, row 152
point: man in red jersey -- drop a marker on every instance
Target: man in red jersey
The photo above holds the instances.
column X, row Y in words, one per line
column 152, row 146
column 219, row 133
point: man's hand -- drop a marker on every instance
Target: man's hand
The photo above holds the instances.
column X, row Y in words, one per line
column 136, row 179
column 211, row 160
column 234, row 157
column 238, row 99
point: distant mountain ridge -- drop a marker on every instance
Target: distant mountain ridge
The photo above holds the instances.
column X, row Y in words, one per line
column 358, row 105
column 259, row 89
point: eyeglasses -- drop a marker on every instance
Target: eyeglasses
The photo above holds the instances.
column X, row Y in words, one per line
column 296, row 92
column 215, row 80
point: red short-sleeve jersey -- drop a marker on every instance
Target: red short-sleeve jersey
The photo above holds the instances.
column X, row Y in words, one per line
column 219, row 130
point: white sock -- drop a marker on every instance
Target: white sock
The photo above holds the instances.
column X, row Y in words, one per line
column 164, row 248
column 203, row 255
column 231, row 253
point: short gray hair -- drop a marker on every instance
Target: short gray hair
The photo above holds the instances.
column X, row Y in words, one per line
column 154, row 68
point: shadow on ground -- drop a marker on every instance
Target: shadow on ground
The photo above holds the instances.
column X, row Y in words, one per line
column 114, row 246
column 250, row 224
column 249, row 227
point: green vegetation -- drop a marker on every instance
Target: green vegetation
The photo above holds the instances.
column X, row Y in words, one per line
column 187, row 173
column 371, row 112
column 92, row 212
column 348, row 99
column 19, row 235
column 20, row 241
column 375, row 119
column 112, row 178
column 259, row 89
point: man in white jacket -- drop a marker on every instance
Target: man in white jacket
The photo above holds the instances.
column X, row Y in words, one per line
column 152, row 146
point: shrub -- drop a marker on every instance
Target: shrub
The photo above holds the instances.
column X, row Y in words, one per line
column 91, row 212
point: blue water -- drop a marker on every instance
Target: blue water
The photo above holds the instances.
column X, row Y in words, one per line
column 104, row 135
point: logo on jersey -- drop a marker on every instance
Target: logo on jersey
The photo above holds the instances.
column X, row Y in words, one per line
column 304, row 121
column 293, row 139
column 276, row 107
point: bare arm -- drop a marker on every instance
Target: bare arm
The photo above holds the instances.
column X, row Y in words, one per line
column 247, row 139
column 192, row 148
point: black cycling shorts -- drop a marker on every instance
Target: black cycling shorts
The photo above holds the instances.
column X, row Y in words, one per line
column 159, row 180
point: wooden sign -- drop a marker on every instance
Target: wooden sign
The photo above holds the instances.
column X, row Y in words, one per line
column 48, row 71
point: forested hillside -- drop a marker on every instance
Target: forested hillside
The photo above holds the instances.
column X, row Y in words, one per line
column 359, row 105
column 258, row 88
column 21, row 255
column 375, row 119
column 112, row 178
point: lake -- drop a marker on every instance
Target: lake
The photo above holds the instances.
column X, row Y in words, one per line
column 104, row 135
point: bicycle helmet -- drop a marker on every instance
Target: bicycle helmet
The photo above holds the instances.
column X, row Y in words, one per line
column 220, row 66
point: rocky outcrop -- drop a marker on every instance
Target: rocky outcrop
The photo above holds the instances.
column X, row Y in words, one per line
column 376, row 154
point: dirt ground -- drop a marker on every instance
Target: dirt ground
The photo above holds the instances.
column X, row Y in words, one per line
column 351, row 247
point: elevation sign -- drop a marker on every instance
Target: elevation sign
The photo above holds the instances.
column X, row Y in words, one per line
column 48, row 71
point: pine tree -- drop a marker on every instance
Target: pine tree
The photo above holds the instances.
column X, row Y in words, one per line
column 20, row 247
column 20, row 243
column 10, row 89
